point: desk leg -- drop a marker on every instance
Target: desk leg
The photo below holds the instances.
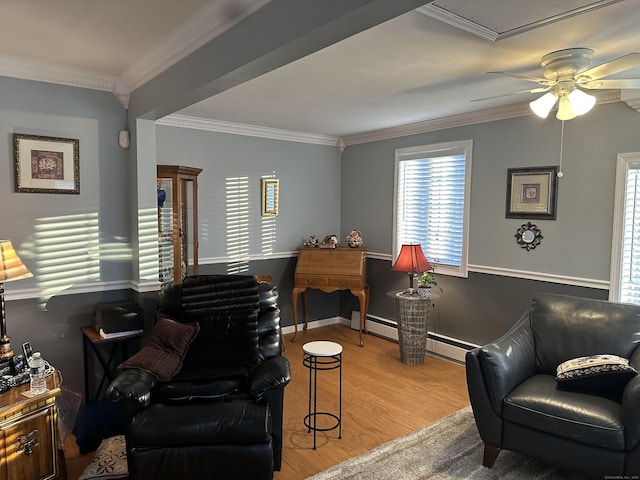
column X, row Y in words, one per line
column 304, row 307
column 363, row 297
column 294, row 306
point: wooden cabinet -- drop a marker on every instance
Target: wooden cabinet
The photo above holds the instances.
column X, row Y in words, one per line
column 177, row 222
column 28, row 434
column 329, row 270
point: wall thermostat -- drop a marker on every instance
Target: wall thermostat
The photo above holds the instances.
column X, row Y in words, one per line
column 123, row 138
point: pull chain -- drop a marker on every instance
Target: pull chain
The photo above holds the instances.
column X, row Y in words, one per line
column 560, row 172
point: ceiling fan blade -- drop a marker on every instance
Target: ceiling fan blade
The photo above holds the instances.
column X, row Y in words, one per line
column 620, row 64
column 534, row 90
column 541, row 81
column 620, row 83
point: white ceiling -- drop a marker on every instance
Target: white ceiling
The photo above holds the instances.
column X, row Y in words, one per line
column 427, row 64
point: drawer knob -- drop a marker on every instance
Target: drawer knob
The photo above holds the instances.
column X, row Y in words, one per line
column 27, row 442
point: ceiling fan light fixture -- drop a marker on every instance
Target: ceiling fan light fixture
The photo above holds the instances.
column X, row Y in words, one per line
column 581, row 102
column 543, row 105
column 565, row 112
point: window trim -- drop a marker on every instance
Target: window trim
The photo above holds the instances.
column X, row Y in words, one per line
column 421, row 151
column 624, row 161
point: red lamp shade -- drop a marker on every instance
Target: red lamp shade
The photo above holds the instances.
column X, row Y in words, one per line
column 411, row 260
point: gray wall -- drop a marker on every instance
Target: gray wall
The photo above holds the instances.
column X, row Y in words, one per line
column 309, row 188
column 43, row 225
column 576, row 246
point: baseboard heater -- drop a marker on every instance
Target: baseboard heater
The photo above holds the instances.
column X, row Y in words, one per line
column 440, row 345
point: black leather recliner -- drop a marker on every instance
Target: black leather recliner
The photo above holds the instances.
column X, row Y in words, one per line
column 221, row 415
column 519, row 405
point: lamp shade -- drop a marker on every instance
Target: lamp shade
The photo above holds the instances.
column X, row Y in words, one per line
column 411, row 260
column 542, row 106
column 11, row 267
column 565, row 111
column 581, row 102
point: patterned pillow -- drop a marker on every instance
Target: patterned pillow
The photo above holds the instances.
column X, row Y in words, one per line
column 595, row 373
column 109, row 461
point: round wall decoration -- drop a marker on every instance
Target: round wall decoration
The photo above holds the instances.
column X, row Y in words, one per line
column 528, row 236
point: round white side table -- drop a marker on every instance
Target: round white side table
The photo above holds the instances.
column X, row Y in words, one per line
column 322, row 355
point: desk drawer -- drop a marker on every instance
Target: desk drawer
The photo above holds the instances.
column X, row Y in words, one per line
column 346, row 282
column 311, row 280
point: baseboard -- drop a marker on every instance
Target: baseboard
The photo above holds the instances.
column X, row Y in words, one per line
column 438, row 345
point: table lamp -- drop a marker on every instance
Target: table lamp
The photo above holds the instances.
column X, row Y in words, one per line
column 412, row 261
column 11, row 268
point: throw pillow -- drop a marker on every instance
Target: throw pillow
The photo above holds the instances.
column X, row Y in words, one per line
column 109, row 461
column 601, row 373
column 164, row 353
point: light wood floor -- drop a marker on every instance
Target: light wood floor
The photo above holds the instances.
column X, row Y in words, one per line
column 382, row 400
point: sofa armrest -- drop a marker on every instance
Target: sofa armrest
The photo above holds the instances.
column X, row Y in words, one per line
column 133, row 384
column 508, row 361
column 631, row 405
column 272, row 373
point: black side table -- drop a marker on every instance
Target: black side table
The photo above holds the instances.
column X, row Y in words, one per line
column 104, row 350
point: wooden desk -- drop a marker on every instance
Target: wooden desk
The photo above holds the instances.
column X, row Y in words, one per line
column 29, row 434
column 331, row 269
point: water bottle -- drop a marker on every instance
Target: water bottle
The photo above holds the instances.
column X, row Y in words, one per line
column 36, row 373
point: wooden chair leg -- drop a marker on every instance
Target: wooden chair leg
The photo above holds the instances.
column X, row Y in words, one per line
column 490, row 455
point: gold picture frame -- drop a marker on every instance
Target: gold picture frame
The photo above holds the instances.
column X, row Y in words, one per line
column 46, row 164
column 270, row 196
column 532, row 192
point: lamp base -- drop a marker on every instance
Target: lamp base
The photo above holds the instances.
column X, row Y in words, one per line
column 410, row 291
column 6, row 353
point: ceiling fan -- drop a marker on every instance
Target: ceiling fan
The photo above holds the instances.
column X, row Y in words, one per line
column 567, row 73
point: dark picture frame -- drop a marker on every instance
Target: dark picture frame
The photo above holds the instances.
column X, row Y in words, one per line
column 46, row 164
column 532, row 192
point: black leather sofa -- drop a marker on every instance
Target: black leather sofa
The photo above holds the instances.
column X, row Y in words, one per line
column 520, row 405
column 220, row 416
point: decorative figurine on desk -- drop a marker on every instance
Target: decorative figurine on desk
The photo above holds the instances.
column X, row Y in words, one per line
column 311, row 242
column 354, row 239
column 330, row 241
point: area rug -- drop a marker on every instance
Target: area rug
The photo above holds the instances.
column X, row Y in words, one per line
column 449, row 449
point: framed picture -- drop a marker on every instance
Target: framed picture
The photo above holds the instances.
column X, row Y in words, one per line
column 531, row 192
column 270, row 193
column 46, row 164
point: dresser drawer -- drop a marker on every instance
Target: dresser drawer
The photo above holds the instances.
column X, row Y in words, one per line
column 311, row 280
column 346, row 282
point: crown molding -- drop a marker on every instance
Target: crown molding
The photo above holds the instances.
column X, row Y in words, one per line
column 197, row 123
column 43, row 72
column 455, row 20
column 631, row 98
column 207, row 24
column 439, row 13
column 463, row 119
column 195, row 32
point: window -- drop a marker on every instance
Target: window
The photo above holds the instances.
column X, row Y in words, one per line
column 431, row 203
column 625, row 251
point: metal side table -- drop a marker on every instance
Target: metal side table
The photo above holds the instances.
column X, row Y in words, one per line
column 322, row 355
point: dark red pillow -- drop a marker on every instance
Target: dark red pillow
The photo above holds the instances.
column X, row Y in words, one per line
column 164, row 353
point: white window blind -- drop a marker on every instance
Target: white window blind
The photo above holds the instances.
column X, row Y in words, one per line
column 431, row 203
column 625, row 264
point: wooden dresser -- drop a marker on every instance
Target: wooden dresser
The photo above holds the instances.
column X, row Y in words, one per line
column 331, row 269
column 28, row 434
